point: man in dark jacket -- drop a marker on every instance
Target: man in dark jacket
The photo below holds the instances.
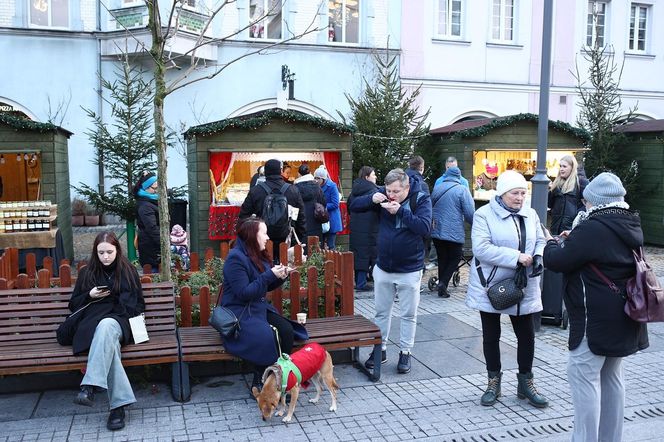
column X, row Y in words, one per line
column 405, row 218
column 253, row 203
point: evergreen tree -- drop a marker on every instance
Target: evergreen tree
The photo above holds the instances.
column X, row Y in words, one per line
column 601, row 112
column 386, row 120
column 126, row 146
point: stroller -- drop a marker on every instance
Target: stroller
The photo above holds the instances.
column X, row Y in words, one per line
column 466, row 259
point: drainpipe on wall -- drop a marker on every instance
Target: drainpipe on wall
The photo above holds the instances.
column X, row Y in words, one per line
column 99, row 91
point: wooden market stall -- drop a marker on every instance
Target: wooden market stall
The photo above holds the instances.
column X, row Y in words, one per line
column 486, row 148
column 645, row 144
column 222, row 157
column 34, row 169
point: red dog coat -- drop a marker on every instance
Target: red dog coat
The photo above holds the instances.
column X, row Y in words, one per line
column 308, row 360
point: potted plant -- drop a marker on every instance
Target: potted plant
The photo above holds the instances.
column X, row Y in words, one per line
column 78, row 208
column 91, row 217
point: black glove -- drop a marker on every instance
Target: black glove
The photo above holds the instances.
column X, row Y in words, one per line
column 538, row 266
column 520, row 279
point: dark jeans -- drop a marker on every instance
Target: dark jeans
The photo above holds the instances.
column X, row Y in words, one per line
column 525, row 335
column 449, row 254
column 286, row 337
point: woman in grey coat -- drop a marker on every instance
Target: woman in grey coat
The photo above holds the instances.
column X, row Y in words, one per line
column 496, row 236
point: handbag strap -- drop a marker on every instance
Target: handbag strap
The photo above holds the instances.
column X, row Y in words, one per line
column 612, row 285
column 522, row 249
column 443, row 194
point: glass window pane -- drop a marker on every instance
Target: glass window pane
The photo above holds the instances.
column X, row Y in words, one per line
column 274, row 19
column 60, row 13
column 39, row 12
column 335, row 16
column 352, row 22
column 257, row 29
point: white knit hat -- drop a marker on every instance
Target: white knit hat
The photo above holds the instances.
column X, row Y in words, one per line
column 509, row 180
column 321, row 172
column 605, row 188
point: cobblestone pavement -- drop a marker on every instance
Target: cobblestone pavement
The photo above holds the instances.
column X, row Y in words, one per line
column 438, row 400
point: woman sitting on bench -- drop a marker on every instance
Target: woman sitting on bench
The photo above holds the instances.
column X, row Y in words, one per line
column 111, row 289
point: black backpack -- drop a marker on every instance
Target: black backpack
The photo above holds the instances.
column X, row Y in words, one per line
column 275, row 211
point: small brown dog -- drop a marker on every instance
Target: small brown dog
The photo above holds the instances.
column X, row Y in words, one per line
column 314, row 364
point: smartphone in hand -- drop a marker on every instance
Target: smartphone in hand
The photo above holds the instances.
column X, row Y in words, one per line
column 102, row 288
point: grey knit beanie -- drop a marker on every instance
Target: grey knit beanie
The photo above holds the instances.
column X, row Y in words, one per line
column 605, row 188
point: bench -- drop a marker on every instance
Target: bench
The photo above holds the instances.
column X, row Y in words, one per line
column 30, row 317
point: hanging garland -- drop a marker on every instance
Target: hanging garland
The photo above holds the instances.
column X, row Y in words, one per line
column 259, row 119
column 20, row 123
column 496, row 123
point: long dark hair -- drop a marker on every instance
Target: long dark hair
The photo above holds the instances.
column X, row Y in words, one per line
column 365, row 171
column 247, row 231
column 123, row 268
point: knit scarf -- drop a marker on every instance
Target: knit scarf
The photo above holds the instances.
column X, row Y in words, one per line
column 583, row 216
column 148, row 195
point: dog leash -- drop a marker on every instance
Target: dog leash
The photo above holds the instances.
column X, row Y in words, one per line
column 286, row 364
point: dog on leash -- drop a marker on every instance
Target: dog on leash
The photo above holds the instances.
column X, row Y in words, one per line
column 311, row 363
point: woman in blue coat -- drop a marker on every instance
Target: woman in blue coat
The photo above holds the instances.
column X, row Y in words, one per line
column 247, row 279
column 331, row 193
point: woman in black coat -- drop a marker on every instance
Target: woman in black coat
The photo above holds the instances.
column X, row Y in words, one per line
column 565, row 195
column 601, row 334
column 109, row 291
column 363, row 228
column 311, row 194
column 147, row 220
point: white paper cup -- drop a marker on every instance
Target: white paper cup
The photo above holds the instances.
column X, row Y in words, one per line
column 302, row 318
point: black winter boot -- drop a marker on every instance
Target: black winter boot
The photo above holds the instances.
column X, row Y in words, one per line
column 526, row 389
column 86, row 396
column 492, row 392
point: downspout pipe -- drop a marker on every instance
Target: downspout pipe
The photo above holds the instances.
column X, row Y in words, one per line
column 100, row 105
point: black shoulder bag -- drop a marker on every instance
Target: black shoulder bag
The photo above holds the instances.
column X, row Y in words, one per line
column 508, row 292
column 224, row 320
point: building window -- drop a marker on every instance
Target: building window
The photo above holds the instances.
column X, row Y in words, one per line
column 52, row 13
column 596, row 28
column 266, row 17
column 448, row 18
column 637, row 27
column 503, row 20
column 344, row 16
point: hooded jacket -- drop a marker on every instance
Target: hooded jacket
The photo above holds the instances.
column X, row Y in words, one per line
column 363, row 227
column 453, row 205
column 311, row 193
column 417, row 176
column 606, row 238
column 400, row 245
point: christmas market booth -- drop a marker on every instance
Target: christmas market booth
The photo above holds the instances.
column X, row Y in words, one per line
column 34, row 188
column 223, row 156
column 485, row 148
column 645, row 144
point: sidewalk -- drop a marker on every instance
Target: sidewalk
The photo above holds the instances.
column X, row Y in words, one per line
column 438, row 400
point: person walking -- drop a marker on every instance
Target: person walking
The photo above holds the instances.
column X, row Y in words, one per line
column 311, row 194
column 498, row 230
column 450, row 162
column 109, row 290
column 565, row 192
column 452, row 204
column 331, row 193
column 363, row 228
column 405, row 219
column 600, row 333
column 147, row 220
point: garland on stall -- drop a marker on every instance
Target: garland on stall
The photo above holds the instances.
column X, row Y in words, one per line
column 499, row 122
column 263, row 118
column 20, row 123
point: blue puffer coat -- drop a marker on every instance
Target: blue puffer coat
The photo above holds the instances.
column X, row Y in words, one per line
column 245, row 284
column 331, row 192
column 453, row 204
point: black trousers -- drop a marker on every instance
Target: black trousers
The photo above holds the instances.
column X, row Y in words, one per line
column 525, row 336
column 286, row 336
column 449, row 254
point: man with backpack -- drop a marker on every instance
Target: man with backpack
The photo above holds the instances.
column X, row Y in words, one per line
column 405, row 218
column 269, row 200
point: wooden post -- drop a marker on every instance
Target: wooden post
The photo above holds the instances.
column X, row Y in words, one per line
column 47, row 264
column 64, row 261
column 22, row 281
column 31, row 265
column 185, row 306
column 3, row 284
column 278, row 299
column 146, row 279
column 297, row 259
column 209, row 254
column 312, row 292
column 269, row 248
column 283, row 253
column 44, row 277
column 294, row 294
column 80, row 265
column 224, row 248
column 204, row 301
column 330, row 295
column 347, row 284
column 194, row 262
column 65, row 275
column 13, row 262
column 147, row 269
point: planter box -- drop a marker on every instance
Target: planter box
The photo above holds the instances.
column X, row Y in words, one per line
column 91, row 220
column 77, row 220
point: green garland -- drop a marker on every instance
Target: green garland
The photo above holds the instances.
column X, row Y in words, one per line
column 481, row 131
column 263, row 118
column 20, row 123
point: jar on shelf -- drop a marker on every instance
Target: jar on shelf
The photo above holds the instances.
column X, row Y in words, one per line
column 9, row 226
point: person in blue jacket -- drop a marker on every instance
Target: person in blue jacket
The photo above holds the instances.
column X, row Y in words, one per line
column 331, row 192
column 450, row 162
column 405, row 218
column 247, row 279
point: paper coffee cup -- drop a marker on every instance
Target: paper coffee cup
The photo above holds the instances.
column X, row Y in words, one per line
column 302, row 318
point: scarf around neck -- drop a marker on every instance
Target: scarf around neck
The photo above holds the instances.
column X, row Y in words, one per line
column 148, row 195
column 502, row 204
column 583, row 216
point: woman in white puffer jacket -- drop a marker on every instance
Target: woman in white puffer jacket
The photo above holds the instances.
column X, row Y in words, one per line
column 495, row 235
